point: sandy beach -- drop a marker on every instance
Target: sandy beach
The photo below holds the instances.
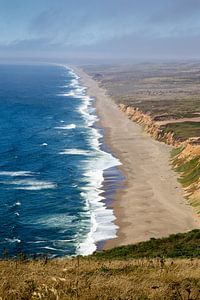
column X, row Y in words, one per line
column 152, row 204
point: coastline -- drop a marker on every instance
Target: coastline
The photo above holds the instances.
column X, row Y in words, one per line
column 152, row 204
column 102, row 224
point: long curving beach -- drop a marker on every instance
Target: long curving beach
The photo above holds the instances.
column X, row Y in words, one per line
column 152, row 203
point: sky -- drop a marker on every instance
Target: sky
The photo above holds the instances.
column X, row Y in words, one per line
column 99, row 30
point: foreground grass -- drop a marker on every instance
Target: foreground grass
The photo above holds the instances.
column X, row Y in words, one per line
column 121, row 273
column 91, row 279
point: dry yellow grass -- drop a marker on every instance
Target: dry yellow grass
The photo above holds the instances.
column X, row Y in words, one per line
column 90, row 279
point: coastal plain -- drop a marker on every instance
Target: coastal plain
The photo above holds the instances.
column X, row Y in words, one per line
column 152, row 204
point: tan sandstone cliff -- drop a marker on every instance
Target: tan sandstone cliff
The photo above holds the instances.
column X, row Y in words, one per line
column 186, row 157
column 150, row 126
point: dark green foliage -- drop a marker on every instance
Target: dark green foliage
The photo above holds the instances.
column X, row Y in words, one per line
column 181, row 245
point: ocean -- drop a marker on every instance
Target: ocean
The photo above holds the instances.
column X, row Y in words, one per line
column 54, row 167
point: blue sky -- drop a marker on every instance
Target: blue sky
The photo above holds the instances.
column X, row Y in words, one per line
column 86, row 30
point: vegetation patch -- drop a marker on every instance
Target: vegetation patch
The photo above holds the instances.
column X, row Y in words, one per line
column 189, row 169
column 183, row 131
column 176, row 151
column 190, row 177
column 188, row 165
column 140, row 271
column 175, row 246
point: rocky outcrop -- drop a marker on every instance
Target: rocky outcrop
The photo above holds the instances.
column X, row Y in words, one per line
column 186, row 157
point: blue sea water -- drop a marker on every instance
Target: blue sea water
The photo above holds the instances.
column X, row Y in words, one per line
column 51, row 164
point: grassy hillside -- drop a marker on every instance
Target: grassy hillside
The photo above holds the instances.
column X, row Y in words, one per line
column 114, row 274
column 182, row 245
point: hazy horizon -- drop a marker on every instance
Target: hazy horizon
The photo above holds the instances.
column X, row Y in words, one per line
column 99, row 31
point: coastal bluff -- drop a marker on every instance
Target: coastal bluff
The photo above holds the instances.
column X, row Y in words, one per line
column 151, row 195
column 185, row 154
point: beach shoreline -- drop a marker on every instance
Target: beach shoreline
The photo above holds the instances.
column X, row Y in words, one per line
column 152, row 203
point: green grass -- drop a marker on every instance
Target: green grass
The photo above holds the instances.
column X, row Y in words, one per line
column 184, row 130
column 189, row 165
column 191, row 177
column 189, row 169
column 182, row 245
column 176, row 151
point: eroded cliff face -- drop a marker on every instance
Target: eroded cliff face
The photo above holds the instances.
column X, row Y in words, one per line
column 150, row 126
column 185, row 154
column 187, row 162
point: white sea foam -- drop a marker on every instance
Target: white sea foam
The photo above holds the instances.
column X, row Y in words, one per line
column 31, row 185
column 75, row 152
column 71, row 94
column 55, row 242
column 66, row 127
column 60, row 221
column 14, row 240
column 44, row 144
column 101, row 218
column 16, row 174
column 89, row 118
column 15, row 204
column 103, row 227
column 50, row 248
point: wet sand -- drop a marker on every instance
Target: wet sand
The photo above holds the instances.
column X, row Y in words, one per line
column 152, row 204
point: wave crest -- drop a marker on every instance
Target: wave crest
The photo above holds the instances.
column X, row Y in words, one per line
column 66, row 127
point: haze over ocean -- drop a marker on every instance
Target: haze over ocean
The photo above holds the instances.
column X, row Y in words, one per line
column 51, row 164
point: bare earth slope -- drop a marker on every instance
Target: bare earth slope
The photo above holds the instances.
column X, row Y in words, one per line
column 152, row 205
